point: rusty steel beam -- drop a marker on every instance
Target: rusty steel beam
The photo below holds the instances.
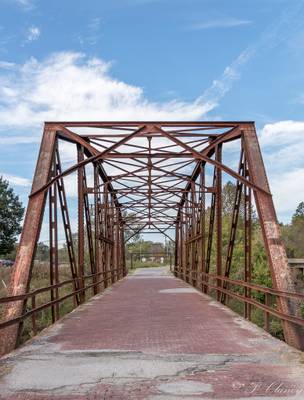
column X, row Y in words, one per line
column 80, row 180
column 67, row 225
column 110, row 124
column 218, row 213
column 21, row 272
column 278, row 263
column 234, row 222
column 53, row 234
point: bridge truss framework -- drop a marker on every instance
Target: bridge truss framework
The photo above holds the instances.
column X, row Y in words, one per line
column 141, row 177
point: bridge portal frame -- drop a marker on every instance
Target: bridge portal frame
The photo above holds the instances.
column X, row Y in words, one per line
column 192, row 243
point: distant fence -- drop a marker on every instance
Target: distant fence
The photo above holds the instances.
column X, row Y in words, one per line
column 136, row 259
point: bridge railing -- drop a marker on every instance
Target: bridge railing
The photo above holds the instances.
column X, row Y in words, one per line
column 229, row 288
column 31, row 310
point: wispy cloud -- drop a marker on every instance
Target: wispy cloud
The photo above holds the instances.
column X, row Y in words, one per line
column 92, row 34
column 71, row 86
column 94, row 30
column 224, row 83
column 16, row 180
column 94, row 24
column 282, row 185
column 6, row 65
column 219, row 23
column 33, row 33
column 17, row 140
column 25, row 4
column 282, row 143
column 278, row 32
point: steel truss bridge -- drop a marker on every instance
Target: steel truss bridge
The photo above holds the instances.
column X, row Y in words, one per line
column 140, row 177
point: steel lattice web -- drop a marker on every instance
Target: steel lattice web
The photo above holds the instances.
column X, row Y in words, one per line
column 159, row 177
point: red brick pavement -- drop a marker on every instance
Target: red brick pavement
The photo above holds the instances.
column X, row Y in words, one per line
column 152, row 336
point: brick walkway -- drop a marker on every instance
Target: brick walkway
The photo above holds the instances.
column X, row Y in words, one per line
column 151, row 336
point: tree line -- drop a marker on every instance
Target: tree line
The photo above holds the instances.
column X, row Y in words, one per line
column 12, row 211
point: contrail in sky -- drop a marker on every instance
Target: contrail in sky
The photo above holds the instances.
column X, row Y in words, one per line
column 280, row 31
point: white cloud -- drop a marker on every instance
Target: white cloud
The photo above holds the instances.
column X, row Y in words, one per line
column 33, row 33
column 70, row 184
column 24, row 3
column 93, row 31
column 282, row 145
column 220, row 23
column 223, row 84
column 12, row 140
column 94, row 24
column 16, row 180
column 284, row 29
column 92, row 34
column 288, row 191
column 282, row 133
column 70, row 86
column 6, row 65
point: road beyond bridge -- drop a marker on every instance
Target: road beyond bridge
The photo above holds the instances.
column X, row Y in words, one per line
column 152, row 336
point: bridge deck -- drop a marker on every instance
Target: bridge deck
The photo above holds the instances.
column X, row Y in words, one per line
column 151, row 336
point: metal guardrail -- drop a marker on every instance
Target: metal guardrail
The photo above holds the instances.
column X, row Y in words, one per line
column 204, row 284
column 114, row 274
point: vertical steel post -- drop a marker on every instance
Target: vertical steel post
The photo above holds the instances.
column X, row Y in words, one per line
column 123, row 251
column 210, row 229
column 67, row 226
column 96, row 224
column 280, row 270
column 247, row 241
column 176, row 250
column 219, row 242
column 182, row 247
column 81, row 272
column 193, row 274
column 87, row 213
column 202, row 223
column 234, row 223
column 21, row 272
column 53, row 234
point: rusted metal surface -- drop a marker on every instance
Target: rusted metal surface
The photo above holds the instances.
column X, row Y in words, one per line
column 30, row 233
column 150, row 177
column 277, row 258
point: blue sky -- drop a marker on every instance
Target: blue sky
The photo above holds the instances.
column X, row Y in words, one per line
column 155, row 59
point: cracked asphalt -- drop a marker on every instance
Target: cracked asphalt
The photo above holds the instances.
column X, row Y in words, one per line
column 152, row 336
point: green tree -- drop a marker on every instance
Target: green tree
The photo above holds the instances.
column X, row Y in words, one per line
column 293, row 234
column 42, row 252
column 132, row 235
column 11, row 213
column 299, row 213
column 228, row 197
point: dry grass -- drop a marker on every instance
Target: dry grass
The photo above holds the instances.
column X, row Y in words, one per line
column 5, row 273
column 40, row 279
